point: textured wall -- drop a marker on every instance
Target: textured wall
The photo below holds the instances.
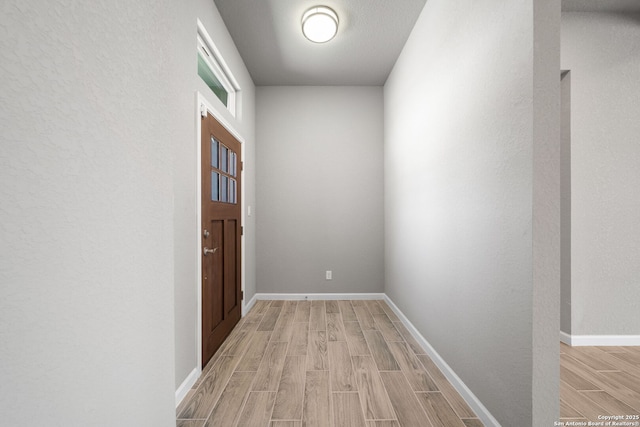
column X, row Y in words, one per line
column 461, row 158
column 603, row 53
column 185, row 151
column 90, row 113
column 320, row 189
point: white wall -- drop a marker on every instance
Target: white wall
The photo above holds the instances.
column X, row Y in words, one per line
column 320, row 189
column 98, row 218
column 185, row 223
column 603, row 53
column 466, row 220
column 91, row 109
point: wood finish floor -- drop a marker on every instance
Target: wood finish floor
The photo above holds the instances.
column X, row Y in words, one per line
column 322, row 363
column 596, row 381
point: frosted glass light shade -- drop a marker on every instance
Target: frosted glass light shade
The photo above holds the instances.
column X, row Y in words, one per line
column 320, row 24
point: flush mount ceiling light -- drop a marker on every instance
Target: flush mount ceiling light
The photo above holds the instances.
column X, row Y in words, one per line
column 320, row 24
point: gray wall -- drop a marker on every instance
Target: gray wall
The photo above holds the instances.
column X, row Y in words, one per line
column 186, row 235
column 603, row 53
column 319, row 189
column 91, row 109
column 469, row 157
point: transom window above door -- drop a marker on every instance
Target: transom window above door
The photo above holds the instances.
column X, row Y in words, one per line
column 214, row 71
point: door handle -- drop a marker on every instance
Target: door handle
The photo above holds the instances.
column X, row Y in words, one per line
column 208, row 251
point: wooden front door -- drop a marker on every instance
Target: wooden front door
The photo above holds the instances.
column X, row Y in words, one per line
column 221, row 235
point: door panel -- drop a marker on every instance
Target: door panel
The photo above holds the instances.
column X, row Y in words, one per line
column 221, row 235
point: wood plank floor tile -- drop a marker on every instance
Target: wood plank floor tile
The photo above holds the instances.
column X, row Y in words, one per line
column 257, row 410
column 346, row 410
column 255, row 351
column 355, row 338
column 580, row 403
column 566, row 411
column 575, row 380
column 380, row 350
column 284, row 324
column 386, row 327
column 610, row 404
column 632, row 358
column 302, row 311
column 438, row 410
column 383, row 423
column 209, row 391
column 612, row 349
column 227, row 410
column 275, row 370
column 270, row 369
column 417, row 349
column 373, row 395
column 260, row 307
column 374, row 307
column 609, row 358
column 317, row 358
column 335, row 328
column 623, row 379
column 290, row 306
column 388, row 311
column 283, row 328
column 411, row 366
column 270, row 319
column 455, row 400
column 290, row 395
column 595, row 362
column 340, row 368
column 346, row 309
column 299, row 339
column 332, row 306
column 405, row 403
column 317, row 317
column 472, row 422
column 238, row 344
column 604, row 381
column 316, row 410
column 365, row 318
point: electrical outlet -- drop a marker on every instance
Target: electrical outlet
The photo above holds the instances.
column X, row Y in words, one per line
column 329, row 275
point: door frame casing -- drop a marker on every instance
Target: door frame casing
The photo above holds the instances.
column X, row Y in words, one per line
column 202, row 104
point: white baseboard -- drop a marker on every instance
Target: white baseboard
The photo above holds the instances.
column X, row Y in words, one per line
column 600, row 340
column 350, row 296
column 186, row 385
column 247, row 306
column 481, row 411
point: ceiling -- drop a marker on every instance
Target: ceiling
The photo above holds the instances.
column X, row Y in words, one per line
column 370, row 37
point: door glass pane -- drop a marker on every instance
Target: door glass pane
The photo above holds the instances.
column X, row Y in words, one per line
column 224, row 158
column 214, row 153
column 232, row 191
column 224, row 189
column 232, row 163
column 215, row 187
